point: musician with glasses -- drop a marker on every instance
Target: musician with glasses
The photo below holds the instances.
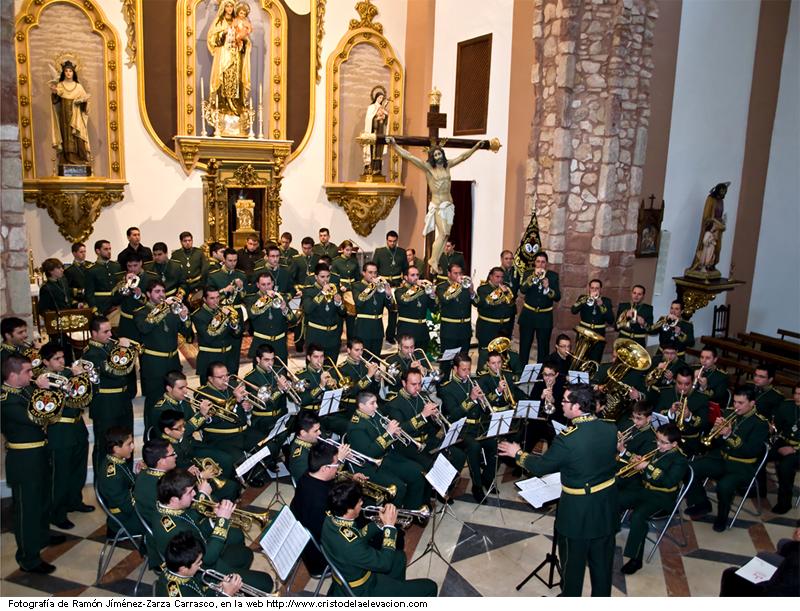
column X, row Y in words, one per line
column 159, row 457
column 183, row 558
column 596, row 313
column 217, row 329
column 738, row 446
column 541, row 289
column 561, row 355
column 673, row 328
column 225, row 547
column 709, row 380
column 787, row 449
column 655, row 491
column 549, row 392
column 686, row 407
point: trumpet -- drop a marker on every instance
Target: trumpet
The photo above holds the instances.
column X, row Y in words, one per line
column 700, row 373
column 380, row 494
column 229, row 298
column 263, row 393
column 344, row 381
column 213, row 579
column 401, row 436
column 297, row 385
column 656, row 375
column 548, row 406
column 717, row 430
column 506, row 392
column 427, row 286
column 124, row 287
column 209, row 464
column 590, row 301
column 219, row 408
column 665, row 323
column 356, row 458
column 684, row 400
column 385, row 370
column 483, row 402
column 629, row 470
column 466, row 282
column 239, row 518
column 405, row 517
column 626, row 435
column 502, row 294
column 435, row 374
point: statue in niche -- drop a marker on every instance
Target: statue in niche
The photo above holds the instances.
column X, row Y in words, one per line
column 70, row 119
column 229, row 43
column 712, row 226
column 375, row 120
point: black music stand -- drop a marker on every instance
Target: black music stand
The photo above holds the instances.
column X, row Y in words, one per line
column 550, row 559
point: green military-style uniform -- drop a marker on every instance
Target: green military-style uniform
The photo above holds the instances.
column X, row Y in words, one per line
column 392, row 265
column 171, row 273
column 287, row 255
column 233, row 438
column 68, row 442
column 115, row 484
column 269, row 325
column 414, row 304
column 100, row 281
column 696, row 426
column 28, row 473
column 446, row 260
column 219, row 280
column 311, row 399
column 226, row 551
column 655, row 491
column 681, row 334
column 732, row 462
column 661, row 383
column 369, row 571
column 357, row 372
column 368, row 326
column 787, row 424
column 159, row 334
column 54, row 295
column 301, row 268
column 75, row 273
column 641, row 441
column 321, row 319
column 595, row 317
column 536, row 317
column 493, row 314
column 215, row 339
column 194, row 265
column 349, row 273
column 145, row 492
column 172, row 585
column 325, row 250
column 366, row 435
column 129, row 304
column 298, row 458
column 111, row 404
column 455, row 307
column 264, row 419
column 214, row 265
column 511, row 362
column 768, row 398
column 511, row 279
column 281, row 278
column 635, row 331
column 588, row 513
column 717, row 387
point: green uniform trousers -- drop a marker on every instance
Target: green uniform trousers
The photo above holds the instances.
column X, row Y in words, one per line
column 575, row 553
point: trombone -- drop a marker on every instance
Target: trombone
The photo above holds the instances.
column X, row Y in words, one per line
column 248, row 396
column 435, row 374
column 239, row 518
column 263, row 393
column 629, row 470
column 388, row 372
column 717, row 430
column 213, row 579
column 344, row 382
column 482, row 400
column 401, row 436
column 356, row 458
column 219, row 407
column 297, row 385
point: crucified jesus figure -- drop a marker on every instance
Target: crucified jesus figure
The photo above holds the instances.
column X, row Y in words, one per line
column 441, row 210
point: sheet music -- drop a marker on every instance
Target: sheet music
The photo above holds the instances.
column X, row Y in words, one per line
column 558, row 427
column 284, row 541
column 280, row 427
column 500, row 423
column 757, row 571
column 449, row 354
column 452, row 434
column 527, row 409
column 441, row 475
column 538, row 491
column 658, row 420
column 252, row 461
column 330, row 402
column 426, row 382
column 578, row 377
column 530, row 373
column 292, row 408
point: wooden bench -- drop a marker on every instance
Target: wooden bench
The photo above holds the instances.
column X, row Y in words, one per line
column 727, row 345
column 773, row 345
column 741, row 369
column 784, row 333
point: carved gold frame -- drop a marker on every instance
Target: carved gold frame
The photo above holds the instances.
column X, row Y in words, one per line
column 133, row 14
column 74, row 203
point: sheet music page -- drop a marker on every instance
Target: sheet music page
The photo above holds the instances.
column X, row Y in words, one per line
column 538, row 491
column 280, row 426
column 452, row 433
column 659, row 420
column 757, row 571
column 527, row 408
column 558, row 427
column 530, row 373
column 441, row 474
column 284, row 541
column 330, row 402
column 252, row 461
column 500, row 424
column 426, row 382
column 578, row 377
column 449, row 354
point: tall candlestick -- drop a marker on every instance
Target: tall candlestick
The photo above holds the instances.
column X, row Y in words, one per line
column 251, row 119
column 202, row 106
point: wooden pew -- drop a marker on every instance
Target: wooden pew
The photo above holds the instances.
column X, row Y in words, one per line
column 773, row 345
column 747, row 353
column 784, row 333
column 741, row 371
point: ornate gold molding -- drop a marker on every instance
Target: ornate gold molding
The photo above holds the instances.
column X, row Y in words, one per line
column 320, row 35
column 129, row 14
column 74, row 206
column 194, row 151
column 697, row 294
column 365, row 205
column 367, row 11
column 28, row 19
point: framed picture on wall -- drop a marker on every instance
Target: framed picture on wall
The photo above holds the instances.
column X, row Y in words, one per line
column 649, row 229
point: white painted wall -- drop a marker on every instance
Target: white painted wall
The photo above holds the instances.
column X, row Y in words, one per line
column 707, row 133
column 488, row 170
column 163, row 201
column 776, row 282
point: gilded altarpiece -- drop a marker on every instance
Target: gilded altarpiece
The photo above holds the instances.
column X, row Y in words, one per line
column 49, row 35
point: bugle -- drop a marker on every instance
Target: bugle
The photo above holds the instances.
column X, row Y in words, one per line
column 214, row 579
column 681, row 416
column 630, row 468
column 356, row 458
column 219, row 407
column 344, row 382
column 380, row 494
column 716, row 431
column 239, row 518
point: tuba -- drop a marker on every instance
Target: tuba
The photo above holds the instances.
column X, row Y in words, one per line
column 630, row 355
column 584, row 340
column 501, row 345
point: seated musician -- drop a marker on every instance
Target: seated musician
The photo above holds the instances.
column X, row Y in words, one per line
column 225, row 549
column 768, row 398
column 369, row 572
column 183, row 558
column 116, row 479
column 172, row 425
column 158, row 457
column 511, row 360
column 307, row 434
column 418, row 417
column 663, row 370
column 318, row 380
column 561, row 355
column 404, row 359
column 686, row 407
column 738, row 444
column 368, row 436
column 548, row 391
column 655, row 491
column 463, row 397
column 176, row 390
column 636, row 438
column 363, row 376
column 709, row 380
column 787, row 449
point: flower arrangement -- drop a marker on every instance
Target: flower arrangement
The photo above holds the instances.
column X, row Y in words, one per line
column 434, row 349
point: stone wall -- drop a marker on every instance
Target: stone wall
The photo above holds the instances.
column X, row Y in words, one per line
column 591, row 74
column 15, row 297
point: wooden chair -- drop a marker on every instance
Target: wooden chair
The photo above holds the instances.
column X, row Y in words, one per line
column 722, row 315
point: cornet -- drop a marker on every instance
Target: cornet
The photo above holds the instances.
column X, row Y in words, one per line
column 218, row 408
column 405, row 517
column 717, row 430
column 129, row 284
column 401, row 436
column 353, row 457
column 213, row 579
column 380, row 494
column 239, row 518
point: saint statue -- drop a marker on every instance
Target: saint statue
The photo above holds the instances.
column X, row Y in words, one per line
column 375, row 123
column 712, row 226
column 70, row 119
column 229, row 43
column 441, row 211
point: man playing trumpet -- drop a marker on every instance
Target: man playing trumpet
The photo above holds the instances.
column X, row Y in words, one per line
column 415, row 299
column 687, row 408
column 364, row 375
column 405, row 358
column 322, row 309
column 540, row 287
column 316, row 380
column 269, row 315
column 635, row 439
column 372, row 295
column 672, row 328
column 635, row 317
column 266, row 374
column 217, row 328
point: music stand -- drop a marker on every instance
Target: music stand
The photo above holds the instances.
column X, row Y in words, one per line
column 500, row 424
column 526, row 410
column 550, row 560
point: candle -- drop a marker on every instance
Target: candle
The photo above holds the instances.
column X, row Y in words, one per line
column 202, row 104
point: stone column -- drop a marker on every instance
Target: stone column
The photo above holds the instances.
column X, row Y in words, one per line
column 591, row 74
column 15, row 298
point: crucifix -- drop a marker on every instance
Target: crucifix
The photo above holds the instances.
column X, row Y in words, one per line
column 441, row 211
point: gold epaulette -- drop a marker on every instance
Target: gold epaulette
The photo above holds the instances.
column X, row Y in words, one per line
column 568, row 431
column 348, row 533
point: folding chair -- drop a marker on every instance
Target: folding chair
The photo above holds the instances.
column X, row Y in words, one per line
column 657, row 517
column 110, row 544
column 333, row 571
column 147, row 537
column 753, row 482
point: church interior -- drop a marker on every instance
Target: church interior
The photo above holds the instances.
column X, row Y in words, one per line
column 616, row 173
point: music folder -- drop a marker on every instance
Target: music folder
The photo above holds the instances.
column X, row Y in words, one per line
column 330, row 402
column 577, row 377
column 283, row 542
